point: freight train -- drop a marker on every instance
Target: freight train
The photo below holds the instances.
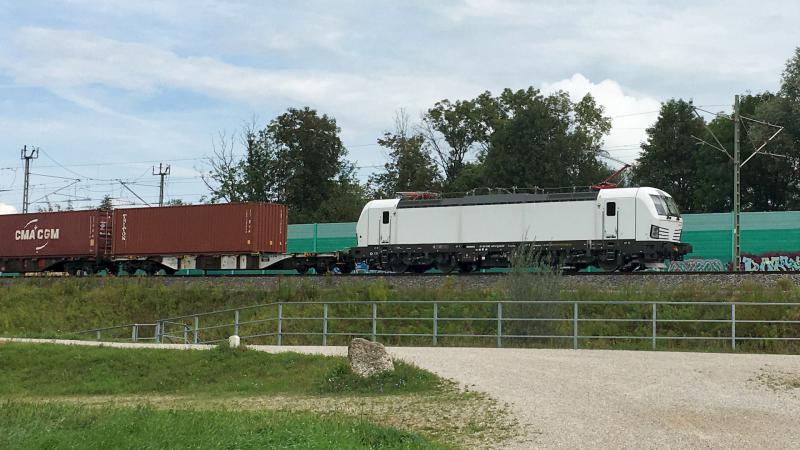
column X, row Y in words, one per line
column 613, row 229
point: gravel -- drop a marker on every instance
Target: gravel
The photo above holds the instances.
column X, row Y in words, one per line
column 620, row 399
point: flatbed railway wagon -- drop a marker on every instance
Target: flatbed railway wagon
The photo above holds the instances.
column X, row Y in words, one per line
column 235, row 236
column 73, row 242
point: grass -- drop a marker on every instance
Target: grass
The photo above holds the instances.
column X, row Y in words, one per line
column 777, row 380
column 53, row 425
column 56, row 307
column 98, row 397
column 51, row 370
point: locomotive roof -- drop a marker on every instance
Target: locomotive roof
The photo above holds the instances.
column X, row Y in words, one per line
column 499, row 199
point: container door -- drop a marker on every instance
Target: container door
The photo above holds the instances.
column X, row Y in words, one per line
column 385, row 227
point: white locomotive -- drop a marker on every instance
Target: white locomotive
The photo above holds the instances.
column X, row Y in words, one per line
column 614, row 229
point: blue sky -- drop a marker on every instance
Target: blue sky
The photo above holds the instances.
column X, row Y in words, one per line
column 108, row 88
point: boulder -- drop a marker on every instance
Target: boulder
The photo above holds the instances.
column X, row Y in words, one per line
column 368, row 358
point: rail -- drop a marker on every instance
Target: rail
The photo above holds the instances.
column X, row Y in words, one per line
column 493, row 322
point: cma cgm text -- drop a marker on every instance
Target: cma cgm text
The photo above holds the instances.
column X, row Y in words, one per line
column 36, row 234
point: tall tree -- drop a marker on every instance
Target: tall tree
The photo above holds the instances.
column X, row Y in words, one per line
column 669, row 158
column 410, row 166
column 225, row 178
column 767, row 183
column 106, row 204
column 297, row 159
column 452, row 130
column 545, row 141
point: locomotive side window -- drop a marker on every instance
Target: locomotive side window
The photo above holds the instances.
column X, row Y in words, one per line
column 386, row 217
column 611, row 209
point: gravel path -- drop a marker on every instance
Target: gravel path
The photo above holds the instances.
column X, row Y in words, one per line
column 621, row 399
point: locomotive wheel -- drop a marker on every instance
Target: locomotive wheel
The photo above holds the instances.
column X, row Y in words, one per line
column 466, row 267
column 610, row 266
column 398, row 266
column 446, row 265
column 302, row 269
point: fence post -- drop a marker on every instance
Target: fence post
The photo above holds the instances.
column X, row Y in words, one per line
column 236, row 322
column 374, row 320
column 134, row 332
column 158, row 332
column 435, row 323
column 654, row 326
column 575, row 326
column 733, row 326
column 185, row 334
column 280, row 322
column 499, row 324
column 196, row 329
column 98, row 335
column 324, row 324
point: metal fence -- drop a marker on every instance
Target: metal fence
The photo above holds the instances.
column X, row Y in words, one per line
column 492, row 323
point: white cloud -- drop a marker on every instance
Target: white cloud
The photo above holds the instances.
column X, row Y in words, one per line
column 631, row 113
column 7, row 209
column 67, row 62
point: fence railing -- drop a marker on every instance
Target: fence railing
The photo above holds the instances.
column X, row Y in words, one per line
column 475, row 323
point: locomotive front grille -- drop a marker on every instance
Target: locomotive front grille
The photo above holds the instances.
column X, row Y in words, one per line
column 676, row 235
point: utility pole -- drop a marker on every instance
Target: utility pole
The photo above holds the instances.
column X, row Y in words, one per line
column 27, row 156
column 163, row 171
column 737, row 169
column 737, row 188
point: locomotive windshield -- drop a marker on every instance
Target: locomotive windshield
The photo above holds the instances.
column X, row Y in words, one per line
column 665, row 206
column 672, row 207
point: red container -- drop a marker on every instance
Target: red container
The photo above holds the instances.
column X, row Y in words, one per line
column 232, row 228
column 67, row 234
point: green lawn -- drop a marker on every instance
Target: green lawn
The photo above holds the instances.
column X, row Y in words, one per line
column 52, row 425
column 52, row 370
column 56, row 396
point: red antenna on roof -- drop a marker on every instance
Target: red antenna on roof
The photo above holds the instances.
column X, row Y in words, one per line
column 419, row 195
column 607, row 183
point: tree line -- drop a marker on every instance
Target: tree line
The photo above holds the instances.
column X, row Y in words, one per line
column 516, row 139
column 700, row 177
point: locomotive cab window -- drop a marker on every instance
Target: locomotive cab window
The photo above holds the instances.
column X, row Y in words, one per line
column 386, row 217
column 611, row 208
column 672, row 207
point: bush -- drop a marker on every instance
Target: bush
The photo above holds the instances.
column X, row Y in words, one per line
column 404, row 379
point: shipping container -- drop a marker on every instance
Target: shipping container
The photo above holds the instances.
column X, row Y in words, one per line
column 39, row 241
column 223, row 229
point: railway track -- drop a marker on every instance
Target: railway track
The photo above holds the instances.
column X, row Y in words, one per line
column 414, row 275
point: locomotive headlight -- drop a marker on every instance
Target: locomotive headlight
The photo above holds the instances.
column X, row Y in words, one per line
column 654, row 231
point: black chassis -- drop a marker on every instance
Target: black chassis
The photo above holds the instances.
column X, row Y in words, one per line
column 571, row 255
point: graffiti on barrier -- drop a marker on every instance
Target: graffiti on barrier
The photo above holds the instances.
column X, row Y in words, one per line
column 697, row 265
column 774, row 262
